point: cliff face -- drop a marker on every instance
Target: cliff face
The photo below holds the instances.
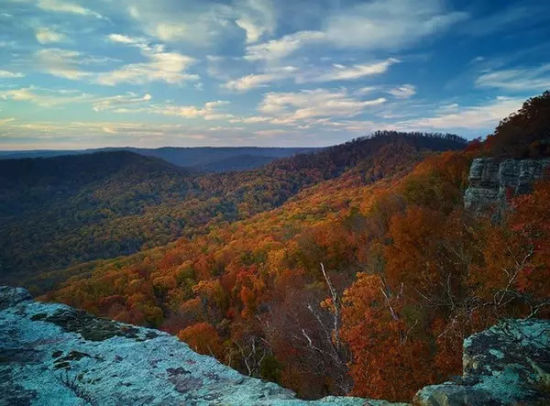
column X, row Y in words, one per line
column 492, row 179
column 52, row 354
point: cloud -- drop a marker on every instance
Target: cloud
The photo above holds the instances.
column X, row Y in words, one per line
column 470, row 117
column 403, row 92
column 162, row 66
column 520, row 79
column 120, row 102
column 6, row 120
column 389, row 24
column 5, row 74
column 46, row 35
column 259, row 80
column 61, row 62
column 343, row 72
column 256, row 18
column 124, row 39
column 131, row 103
column 205, row 23
column 376, row 25
column 282, row 47
column 198, row 23
column 166, row 67
column 59, row 6
column 291, row 107
column 171, row 31
column 335, row 72
column 209, row 111
column 44, row 97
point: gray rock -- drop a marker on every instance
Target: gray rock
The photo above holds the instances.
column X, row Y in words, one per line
column 12, row 296
column 491, row 180
column 52, row 354
column 508, row 364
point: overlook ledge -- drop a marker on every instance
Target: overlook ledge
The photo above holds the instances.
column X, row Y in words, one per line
column 52, row 354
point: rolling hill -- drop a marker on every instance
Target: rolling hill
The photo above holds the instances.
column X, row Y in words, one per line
column 199, row 159
column 61, row 211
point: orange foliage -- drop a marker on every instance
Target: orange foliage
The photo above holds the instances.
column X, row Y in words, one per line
column 203, row 338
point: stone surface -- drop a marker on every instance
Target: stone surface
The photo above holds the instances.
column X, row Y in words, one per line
column 51, row 354
column 508, row 364
column 491, row 180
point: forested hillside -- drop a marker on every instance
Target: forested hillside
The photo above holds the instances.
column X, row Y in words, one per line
column 61, row 211
column 364, row 283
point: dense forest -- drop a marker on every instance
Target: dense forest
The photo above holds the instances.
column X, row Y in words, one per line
column 364, row 283
column 57, row 212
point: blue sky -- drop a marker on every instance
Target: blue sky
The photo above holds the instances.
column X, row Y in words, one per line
column 80, row 74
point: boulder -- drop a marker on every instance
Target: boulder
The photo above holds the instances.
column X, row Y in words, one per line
column 508, row 364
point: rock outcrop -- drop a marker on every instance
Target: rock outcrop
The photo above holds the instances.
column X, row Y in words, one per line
column 491, row 180
column 508, row 364
column 52, row 354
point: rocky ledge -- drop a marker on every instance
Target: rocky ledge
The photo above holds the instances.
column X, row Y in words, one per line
column 508, row 364
column 52, row 354
column 491, row 180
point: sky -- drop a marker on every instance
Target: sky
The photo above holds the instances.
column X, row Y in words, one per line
column 148, row 73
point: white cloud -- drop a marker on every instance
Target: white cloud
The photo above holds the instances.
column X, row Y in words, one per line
column 61, row 62
column 198, row 23
column 470, row 117
column 282, row 47
column 256, row 18
column 46, row 35
column 403, row 92
column 120, row 101
column 44, row 97
column 124, row 39
column 5, row 74
column 389, row 24
column 259, row 80
column 517, row 79
column 163, row 66
column 378, row 24
column 171, row 31
column 209, row 111
column 59, row 6
column 343, row 72
column 131, row 103
column 291, row 107
column 166, row 67
column 205, row 23
column 308, row 75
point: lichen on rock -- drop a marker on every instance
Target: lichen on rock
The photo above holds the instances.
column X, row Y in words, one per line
column 52, row 354
column 507, row 364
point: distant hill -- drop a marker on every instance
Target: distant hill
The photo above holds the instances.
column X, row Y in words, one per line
column 205, row 159
column 26, row 183
column 57, row 212
column 234, row 163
